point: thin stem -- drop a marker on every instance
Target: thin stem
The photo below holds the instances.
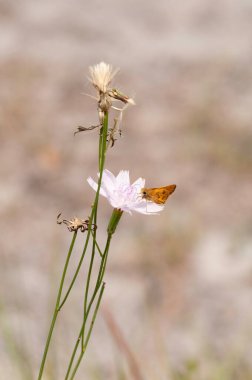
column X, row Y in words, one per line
column 97, row 245
column 87, row 286
column 74, row 352
column 102, row 151
column 93, row 217
column 89, row 332
column 73, row 281
column 79, row 265
column 103, row 268
column 56, row 309
column 102, row 157
column 100, row 275
column 100, row 147
column 98, row 283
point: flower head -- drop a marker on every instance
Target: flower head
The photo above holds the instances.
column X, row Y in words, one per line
column 123, row 195
column 101, row 75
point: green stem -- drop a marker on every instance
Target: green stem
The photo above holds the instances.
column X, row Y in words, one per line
column 74, row 353
column 100, row 147
column 102, row 157
column 78, row 267
column 87, row 285
column 102, row 268
column 102, row 151
column 97, row 245
column 93, row 219
column 99, row 277
column 97, row 286
column 56, row 309
column 89, row 332
column 114, row 220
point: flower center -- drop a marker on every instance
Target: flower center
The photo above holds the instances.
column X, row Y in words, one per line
column 125, row 194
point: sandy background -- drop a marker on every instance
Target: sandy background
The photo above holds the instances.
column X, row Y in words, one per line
column 178, row 285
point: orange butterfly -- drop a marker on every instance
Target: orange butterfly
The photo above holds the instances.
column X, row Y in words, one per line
column 158, row 195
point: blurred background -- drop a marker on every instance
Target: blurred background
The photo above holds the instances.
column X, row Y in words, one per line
column 178, row 285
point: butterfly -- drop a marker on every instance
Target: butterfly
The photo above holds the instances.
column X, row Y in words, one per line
column 157, row 195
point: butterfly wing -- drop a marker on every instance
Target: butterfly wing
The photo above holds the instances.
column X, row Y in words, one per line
column 159, row 195
column 162, row 193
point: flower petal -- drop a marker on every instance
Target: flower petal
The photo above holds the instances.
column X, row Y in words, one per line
column 127, row 209
column 148, row 208
column 153, row 207
column 123, row 178
column 139, row 184
column 94, row 185
column 108, row 180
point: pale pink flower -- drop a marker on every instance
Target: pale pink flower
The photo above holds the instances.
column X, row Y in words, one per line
column 123, row 195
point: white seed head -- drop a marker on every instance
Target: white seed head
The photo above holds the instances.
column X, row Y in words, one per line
column 101, row 75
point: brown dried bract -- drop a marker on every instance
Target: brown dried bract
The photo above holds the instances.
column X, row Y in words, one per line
column 114, row 93
column 76, row 224
column 113, row 133
column 84, row 129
